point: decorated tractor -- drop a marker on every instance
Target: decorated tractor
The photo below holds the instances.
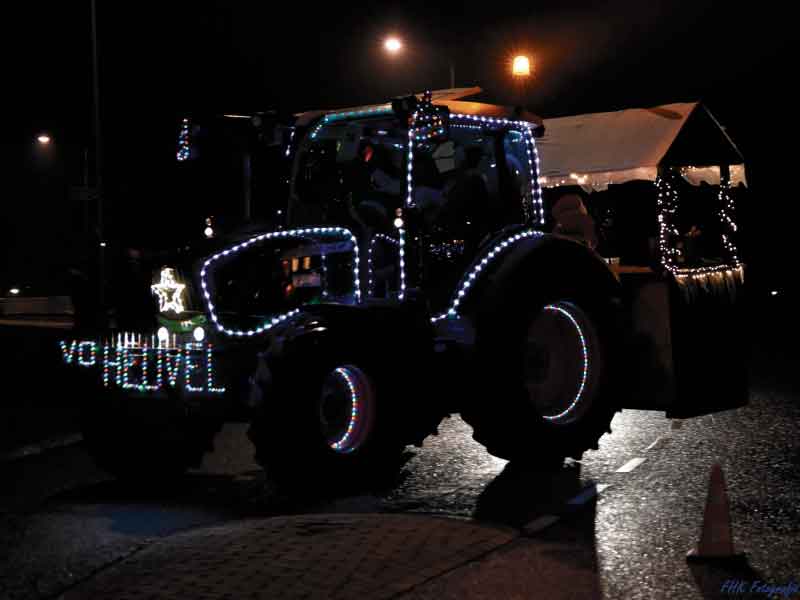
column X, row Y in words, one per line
column 416, row 275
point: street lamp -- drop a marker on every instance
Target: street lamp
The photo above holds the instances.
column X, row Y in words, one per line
column 43, row 139
column 521, row 66
column 393, row 45
column 521, row 74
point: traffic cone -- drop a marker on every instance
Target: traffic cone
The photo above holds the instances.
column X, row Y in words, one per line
column 716, row 538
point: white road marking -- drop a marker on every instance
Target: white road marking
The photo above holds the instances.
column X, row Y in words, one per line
column 588, row 493
column 43, row 446
column 658, row 440
column 540, row 523
column 545, row 521
column 630, row 465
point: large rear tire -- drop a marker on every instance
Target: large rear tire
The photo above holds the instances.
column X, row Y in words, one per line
column 553, row 366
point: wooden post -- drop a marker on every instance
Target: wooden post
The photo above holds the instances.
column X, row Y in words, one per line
column 724, row 175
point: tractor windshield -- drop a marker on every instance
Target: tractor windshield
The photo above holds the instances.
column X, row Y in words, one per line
column 350, row 173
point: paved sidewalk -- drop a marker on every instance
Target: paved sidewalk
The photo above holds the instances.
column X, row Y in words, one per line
column 360, row 556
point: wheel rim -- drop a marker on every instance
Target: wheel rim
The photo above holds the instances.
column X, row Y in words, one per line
column 561, row 362
column 345, row 409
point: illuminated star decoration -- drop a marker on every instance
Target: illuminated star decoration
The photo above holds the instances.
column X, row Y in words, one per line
column 169, row 292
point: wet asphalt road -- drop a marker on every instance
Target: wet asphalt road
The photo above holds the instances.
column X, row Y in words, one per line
column 61, row 519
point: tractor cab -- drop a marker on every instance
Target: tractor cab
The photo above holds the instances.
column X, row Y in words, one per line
column 421, row 185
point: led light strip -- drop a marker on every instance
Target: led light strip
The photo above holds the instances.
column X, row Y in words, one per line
column 726, row 210
column 384, row 109
column 706, row 270
column 526, row 129
column 172, row 362
column 144, row 386
column 342, row 444
column 289, row 144
column 469, row 279
column 493, row 121
column 210, row 372
column 584, row 351
column 189, row 366
column 76, row 351
column 121, row 358
column 323, row 259
column 667, row 204
column 410, row 165
column 107, row 364
column 534, row 164
column 382, row 237
column 183, row 142
column 402, row 253
column 294, row 233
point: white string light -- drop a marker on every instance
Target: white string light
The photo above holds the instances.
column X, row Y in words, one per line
column 184, row 150
column 478, row 267
column 130, row 351
column 370, row 270
column 289, row 144
column 310, row 232
column 560, row 309
column 667, row 204
column 345, row 444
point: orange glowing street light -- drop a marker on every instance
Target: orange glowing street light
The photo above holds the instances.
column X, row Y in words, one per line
column 521, row 66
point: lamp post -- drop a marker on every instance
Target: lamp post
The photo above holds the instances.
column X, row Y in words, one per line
column 103, row 271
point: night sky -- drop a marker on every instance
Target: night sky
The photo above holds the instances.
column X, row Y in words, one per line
column 160, row 62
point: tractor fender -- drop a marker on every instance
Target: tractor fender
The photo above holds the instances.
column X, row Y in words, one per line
column 527, row 266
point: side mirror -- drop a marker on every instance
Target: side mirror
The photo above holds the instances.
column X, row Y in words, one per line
column 270, row 129
column 403, row 107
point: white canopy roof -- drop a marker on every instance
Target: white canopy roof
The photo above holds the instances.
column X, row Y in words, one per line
column 595, row 150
